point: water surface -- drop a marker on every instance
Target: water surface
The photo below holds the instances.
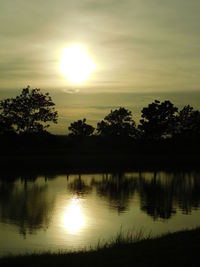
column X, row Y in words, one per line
column 75, row 211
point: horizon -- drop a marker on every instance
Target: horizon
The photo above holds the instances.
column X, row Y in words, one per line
column 96, row 105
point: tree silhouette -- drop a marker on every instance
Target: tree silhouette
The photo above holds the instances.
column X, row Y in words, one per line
column 29, row 112
column 117, row 123
column 5, row 125
column 187, row 123
column 81, row 128
column 158, row 120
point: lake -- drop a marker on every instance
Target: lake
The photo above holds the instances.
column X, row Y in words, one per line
column 73, row 211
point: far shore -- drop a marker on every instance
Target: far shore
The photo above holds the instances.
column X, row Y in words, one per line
column 94, row 154
column 82, row 162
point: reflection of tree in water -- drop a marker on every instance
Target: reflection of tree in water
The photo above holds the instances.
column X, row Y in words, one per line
column 160, row 194
column 117, row 189
column 187, row 191
column 156, row 199
column 160, row 197
column 79, row 187
column 27, row 206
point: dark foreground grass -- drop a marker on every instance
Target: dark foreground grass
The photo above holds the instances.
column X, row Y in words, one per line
column 178, row 249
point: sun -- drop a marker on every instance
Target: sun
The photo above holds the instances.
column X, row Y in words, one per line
column 76, row 64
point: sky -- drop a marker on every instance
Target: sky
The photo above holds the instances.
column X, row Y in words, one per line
column 139, row 46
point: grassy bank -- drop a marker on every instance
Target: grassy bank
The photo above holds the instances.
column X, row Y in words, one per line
column 178, row 249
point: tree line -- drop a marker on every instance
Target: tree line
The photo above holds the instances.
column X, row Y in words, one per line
column 32, row 111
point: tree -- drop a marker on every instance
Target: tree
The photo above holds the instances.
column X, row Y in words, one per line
column 158, row 120
column 29, row 112
column 187, row 123
column 81, row 128
column 117, row 123
column 5, row 125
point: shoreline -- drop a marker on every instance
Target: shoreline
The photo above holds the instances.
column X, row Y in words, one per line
column 82, row 162
column 173, row 249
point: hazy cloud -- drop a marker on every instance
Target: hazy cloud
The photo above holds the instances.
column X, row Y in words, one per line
column 150, row 45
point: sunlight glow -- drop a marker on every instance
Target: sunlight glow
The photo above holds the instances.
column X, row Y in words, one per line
column 76, row 64
column 73, row 219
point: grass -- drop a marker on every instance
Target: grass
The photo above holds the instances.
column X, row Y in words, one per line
column 177, row 249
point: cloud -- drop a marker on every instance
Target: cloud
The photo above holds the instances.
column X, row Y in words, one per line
column 71, row 91
column 136, row 43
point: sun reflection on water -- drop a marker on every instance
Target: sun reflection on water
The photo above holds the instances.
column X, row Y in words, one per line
column 73, row 218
